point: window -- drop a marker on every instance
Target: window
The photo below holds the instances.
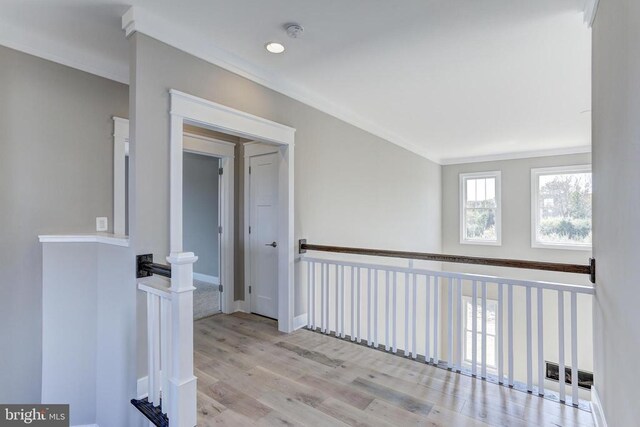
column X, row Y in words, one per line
column 480, row 208
column 492, row 344
column 561, row 207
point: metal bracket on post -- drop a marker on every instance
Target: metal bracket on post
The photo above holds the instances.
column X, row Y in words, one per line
column 302, row 242
column 141, row 261
column 592, row 266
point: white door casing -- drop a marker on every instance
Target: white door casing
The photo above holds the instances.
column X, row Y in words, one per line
column 263, row 239
column 201, row 112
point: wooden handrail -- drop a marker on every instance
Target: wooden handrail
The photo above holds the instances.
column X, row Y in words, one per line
column 589, row 269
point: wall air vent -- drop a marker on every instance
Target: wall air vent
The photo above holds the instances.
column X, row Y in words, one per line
column 585, row 379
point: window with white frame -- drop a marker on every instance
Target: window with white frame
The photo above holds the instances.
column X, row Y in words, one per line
column 480, row 208
column 492, row 344
column 561, row 207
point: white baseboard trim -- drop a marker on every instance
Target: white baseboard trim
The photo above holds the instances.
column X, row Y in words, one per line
column 299, row 321
column 206, row 278
column 86, row 425
column 142, row 387
column 596, row 409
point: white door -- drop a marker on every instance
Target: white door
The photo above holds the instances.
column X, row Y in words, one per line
column 263, row 237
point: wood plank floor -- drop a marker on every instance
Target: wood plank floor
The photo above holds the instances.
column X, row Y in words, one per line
column 251, row 374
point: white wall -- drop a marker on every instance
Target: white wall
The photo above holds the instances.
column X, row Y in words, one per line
column 616, row 156
column 350, row 187
column 516, row 244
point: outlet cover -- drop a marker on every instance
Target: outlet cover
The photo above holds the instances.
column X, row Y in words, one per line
column 102, row 223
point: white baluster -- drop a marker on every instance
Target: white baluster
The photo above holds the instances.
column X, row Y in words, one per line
column 459, row 326
column 323, row 301
column 369, row 304
column 561, row 367
column 436, row 319
column 484, row 329
column 414, row 324
column 394, row 328
column 450, row 324
column 474, row 329
column 406, row 312
column 529, row 341
column 500, row 325
column 337, row 292
column 427, row 333
column 510, row 326
column 342, row 334
column 309, row 296
column 387, row 302
column 540, row 345
column 165, row 350
column 153, row 349
column 375, row 308
column 353, row 304
column 358, row 303
column 574, row 348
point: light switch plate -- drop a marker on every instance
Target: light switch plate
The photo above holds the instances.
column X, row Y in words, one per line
column 102, row 223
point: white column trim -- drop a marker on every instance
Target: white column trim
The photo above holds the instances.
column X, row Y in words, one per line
column 597, row 410
column 120, row 153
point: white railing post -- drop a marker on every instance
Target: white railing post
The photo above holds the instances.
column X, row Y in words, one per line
column 182, row 388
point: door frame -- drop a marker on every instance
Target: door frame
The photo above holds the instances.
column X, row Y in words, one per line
column 253, row 149
column 189, row 109
column 225, row 151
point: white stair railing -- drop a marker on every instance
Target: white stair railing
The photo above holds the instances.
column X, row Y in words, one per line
column 171, row 383
column 399, row 309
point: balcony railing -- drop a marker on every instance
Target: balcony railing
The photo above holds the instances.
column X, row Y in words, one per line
column 442, row 318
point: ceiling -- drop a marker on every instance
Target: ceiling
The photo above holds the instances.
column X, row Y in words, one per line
column 448, row 79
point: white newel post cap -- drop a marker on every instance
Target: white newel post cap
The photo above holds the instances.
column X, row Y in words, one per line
column 182, row 271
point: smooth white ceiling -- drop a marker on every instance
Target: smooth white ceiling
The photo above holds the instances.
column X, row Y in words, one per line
column 447, row 78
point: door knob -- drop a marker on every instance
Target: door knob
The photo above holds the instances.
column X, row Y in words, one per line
column 273, row 245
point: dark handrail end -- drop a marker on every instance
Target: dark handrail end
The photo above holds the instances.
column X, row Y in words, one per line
column 592, row 270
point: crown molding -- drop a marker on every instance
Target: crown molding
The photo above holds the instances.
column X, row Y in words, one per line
column 590, row 10
column 517, row 155
column 139, row 20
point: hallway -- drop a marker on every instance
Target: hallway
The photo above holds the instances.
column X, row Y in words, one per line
column 250, row 374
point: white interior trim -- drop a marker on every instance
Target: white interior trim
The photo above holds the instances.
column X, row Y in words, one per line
column 535, row 177
column 299, row 321
column 194, row 110
column 204, row 145
column 107, row 239
column 251, row 149
column 517, row 155
column 120, row 153
column 462, row 196
column 590, row 11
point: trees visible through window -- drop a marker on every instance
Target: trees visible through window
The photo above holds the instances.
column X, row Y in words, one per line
column 561, row 201
column 480, row 208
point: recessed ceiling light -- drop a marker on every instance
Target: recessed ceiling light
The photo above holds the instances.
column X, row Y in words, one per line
column 274, row 47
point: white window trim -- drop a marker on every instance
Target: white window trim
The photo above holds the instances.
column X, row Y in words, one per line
column 535, row 179
column 462, row 200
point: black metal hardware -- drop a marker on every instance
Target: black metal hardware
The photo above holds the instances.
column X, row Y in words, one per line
column 145, row 267
column 273, row 244
column 590, row 269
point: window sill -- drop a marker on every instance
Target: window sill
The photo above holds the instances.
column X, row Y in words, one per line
column 565, row 247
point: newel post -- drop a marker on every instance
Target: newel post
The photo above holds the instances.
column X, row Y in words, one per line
column 182, row 390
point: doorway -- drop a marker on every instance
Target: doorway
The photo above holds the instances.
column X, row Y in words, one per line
column 261, row 253
column 201, row 227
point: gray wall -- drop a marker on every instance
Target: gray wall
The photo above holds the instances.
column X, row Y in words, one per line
column 55, row 177
column 200, row 211
column 616, row 156
column 516, row 218
column 516, row 243
column 351, row 187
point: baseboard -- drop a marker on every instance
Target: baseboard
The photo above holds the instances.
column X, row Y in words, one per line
column 142, row 387
column 86, row 425
column 299, row 321
column 206, row 278
column 596, row 409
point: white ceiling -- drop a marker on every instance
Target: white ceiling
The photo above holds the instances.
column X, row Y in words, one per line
column 448, row 79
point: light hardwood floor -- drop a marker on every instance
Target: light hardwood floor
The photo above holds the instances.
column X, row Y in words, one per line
column 250, row 374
